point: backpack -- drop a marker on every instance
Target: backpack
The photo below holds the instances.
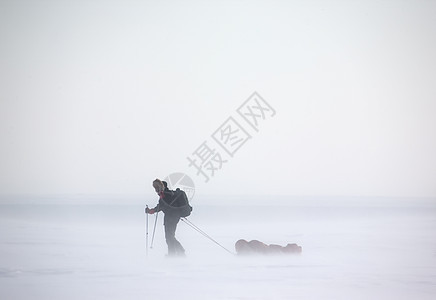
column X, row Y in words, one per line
column 181, row 202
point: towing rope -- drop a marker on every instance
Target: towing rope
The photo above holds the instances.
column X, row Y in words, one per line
column 196, row 228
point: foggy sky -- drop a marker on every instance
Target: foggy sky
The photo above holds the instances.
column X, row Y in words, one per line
column 105, row 96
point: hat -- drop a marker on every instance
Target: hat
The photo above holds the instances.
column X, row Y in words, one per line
column 158, row 185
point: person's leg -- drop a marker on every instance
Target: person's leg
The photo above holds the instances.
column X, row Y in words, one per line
column 178, row 247
column 174, row 246
column 170, row 230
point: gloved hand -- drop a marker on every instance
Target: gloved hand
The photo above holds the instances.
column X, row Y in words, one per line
column 149, row 211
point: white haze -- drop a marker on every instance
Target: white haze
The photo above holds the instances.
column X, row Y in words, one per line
column 368, row 249
column 101, row 97
column 98, row 98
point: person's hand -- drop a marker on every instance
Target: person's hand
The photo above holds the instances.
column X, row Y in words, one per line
column 149, row 211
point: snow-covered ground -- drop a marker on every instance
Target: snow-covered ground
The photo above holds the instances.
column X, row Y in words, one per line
column 375, row 249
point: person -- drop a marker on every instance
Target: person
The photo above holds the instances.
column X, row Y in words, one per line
column 171, row 216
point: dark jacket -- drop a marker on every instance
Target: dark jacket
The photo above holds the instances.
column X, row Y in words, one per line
column 173, row 203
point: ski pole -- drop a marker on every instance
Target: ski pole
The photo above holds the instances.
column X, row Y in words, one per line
column 154, row 230
column 146, row 230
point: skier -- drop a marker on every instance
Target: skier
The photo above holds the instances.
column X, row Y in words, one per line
column 167, row 204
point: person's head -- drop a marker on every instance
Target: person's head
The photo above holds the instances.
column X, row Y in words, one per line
column 158, row 186
column 165, row 184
